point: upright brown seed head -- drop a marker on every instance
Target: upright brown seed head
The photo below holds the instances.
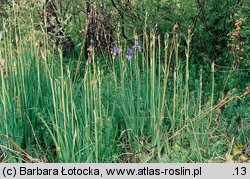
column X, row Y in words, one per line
column 176, row 26
column 2, row 66
column 83, row 32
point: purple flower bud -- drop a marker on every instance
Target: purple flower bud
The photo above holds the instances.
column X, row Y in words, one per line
column 137, row 46
column 115, row 50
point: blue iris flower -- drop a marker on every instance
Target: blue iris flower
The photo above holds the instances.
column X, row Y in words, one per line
column 130, row 51
column 130, row 54
column 137, row 46
column 115, row 50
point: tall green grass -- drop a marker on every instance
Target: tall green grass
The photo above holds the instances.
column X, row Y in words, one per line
column 123, row 111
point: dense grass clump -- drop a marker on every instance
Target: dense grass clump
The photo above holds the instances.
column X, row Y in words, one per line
column 140, row 104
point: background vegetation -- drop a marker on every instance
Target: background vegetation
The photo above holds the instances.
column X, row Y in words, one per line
column 124, row 81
